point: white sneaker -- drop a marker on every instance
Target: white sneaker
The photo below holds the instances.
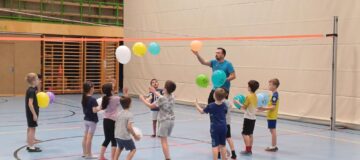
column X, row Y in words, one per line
column 91, row 157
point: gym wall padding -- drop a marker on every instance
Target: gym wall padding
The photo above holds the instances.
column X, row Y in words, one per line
column 303, row 66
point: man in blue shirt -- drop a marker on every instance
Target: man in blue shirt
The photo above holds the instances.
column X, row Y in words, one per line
column 219, row 63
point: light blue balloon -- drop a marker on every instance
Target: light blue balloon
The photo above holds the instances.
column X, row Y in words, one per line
column 154, row 48
column 263, row 99
column 218, row 78
column 260, row 99
column 266, row 98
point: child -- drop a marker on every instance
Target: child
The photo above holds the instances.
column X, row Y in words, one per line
column 89, row 106
column 111, row 105
column 32, row 111
column 272, row 109
column 123, row 130
column 249, row 106
column 228, row 123
column 218, row 129
column 152, row 98
column 166, row 117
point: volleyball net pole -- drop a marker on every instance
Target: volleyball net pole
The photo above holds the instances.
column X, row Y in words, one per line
column 334, row 35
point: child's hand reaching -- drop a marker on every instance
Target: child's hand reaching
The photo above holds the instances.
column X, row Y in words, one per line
column 261, row 109
column 142, row 98
column 237, row 102
column 152, row 90
column 126, row 91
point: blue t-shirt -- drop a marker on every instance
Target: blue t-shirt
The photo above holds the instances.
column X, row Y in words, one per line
column 88, row 110
column 225, row 66
column 217, row 115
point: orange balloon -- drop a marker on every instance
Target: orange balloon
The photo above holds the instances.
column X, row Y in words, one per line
column 196, row 45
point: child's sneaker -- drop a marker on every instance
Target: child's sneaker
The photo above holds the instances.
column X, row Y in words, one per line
column 35, row 149
column 27, row 148
column 91, row 157
column 246, row 153
column 233, row 157
column 272, row 149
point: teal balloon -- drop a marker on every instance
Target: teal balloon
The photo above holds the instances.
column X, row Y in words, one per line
column 202, row 81
column 240, row 98
column 218, row 78
column 154, row 48
column 263, row 99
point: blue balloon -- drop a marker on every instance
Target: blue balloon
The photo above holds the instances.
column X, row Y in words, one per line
column 218, row 78
column 154, row 48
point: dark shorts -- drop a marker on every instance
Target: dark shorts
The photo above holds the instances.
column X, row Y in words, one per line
column 271, row 124
column 218, row 136
column 30, row 120
column 228, row 133
column 248, row 126
column 129, row 145
column 211, row 97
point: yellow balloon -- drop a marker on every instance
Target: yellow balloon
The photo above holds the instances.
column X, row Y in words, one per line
column 139, row 49
column 196, row 45
column 43, row 99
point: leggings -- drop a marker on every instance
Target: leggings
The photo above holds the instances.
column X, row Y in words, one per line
column 109, row 129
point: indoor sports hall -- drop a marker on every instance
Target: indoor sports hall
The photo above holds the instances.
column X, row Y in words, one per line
column 179, row 79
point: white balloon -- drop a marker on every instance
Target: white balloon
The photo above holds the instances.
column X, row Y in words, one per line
column 123, row 54
column 99, row 101
column 137, row 132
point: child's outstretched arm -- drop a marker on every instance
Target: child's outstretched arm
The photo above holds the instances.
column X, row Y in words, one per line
column 147, row 103
column 240, row 104
column 198, row 108
column 267, row 108
column 153, row 90
column 126, row 91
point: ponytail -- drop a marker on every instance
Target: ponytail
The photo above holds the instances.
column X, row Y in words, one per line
column 86, row 89
column 107, row 90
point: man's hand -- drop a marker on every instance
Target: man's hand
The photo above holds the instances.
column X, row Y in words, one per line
column 195, row 52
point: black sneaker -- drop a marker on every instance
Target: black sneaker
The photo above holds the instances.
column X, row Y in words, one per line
column 34, row 150
column 272, row 149
column 233, row 156
column 246, row 153
column 27, row 148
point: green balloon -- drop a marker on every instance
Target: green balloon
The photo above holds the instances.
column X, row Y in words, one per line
column 202, row 81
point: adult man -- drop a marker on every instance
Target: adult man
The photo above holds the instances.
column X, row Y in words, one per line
column 219, row 63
